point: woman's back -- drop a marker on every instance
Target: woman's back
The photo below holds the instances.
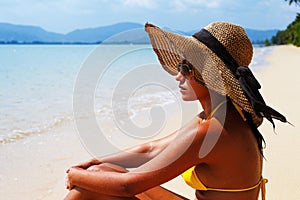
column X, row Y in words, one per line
column 235, row 162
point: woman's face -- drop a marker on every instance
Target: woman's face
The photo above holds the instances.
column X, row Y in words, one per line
column 188, row 87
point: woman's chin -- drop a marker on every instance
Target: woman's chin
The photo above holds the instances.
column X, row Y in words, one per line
column 188, row 98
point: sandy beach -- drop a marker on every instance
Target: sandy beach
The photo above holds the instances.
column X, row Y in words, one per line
column 280, row 87
column 34, row 167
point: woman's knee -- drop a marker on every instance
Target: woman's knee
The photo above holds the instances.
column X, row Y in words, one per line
column 97, row 168
column 77, row 194
column 107, row 167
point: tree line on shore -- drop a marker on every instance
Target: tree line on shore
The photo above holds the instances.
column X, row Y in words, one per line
column 291, row 35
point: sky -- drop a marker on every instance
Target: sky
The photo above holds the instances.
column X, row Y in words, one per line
column 63, row 16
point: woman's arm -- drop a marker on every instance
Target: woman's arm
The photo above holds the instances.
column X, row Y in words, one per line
column 181, row 154
column 133, row 157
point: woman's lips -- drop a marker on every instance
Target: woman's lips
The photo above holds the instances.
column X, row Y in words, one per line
column 182, row 89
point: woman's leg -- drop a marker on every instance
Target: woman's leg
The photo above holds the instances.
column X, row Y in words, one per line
column 156, row 193
column 82, row 194
column 159, row 193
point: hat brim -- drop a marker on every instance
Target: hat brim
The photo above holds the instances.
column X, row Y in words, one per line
column 210, row 69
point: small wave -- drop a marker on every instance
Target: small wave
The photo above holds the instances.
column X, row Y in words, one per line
column 18, row 134
column 259, row 57
column 146, row 102
column 129, row 107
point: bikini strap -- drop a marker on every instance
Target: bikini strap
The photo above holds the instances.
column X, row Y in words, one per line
column 262, row 183
column 263, row 188
column 215, row 109
column 240, row 110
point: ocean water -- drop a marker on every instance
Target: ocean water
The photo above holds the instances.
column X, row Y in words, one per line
column 36, row 87
column 42, row 86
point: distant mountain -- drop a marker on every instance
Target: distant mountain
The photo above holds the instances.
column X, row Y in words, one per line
column 21, row 33
column 259, row 36
column 10, row 33
column 100, row 33
column 126, row 32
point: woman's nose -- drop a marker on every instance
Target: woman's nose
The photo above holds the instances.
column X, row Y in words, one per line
column 179, row 77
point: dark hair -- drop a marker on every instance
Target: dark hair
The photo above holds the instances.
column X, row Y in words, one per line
column 259, row 138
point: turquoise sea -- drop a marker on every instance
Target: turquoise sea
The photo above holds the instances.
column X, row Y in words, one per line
column 38, row 84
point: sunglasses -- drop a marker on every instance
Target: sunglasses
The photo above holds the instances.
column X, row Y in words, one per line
column 185, row 69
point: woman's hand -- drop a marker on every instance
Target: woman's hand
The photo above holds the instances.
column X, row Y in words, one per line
column 70, row 175
column 86, row 164
column 68, row 182
column 81, row 166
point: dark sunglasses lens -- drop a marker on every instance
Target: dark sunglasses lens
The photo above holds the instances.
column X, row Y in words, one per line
column 178, row 67
column 184, row 69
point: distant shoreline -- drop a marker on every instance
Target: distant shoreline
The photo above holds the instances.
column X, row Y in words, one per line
column 90, row 43
column 70, row 43
column 120, row 33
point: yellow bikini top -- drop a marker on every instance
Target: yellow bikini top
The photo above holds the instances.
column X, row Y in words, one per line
column 191, row 178
column 237, row 107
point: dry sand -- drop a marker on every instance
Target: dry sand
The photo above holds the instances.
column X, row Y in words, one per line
column 281, row 89
column 34, row 167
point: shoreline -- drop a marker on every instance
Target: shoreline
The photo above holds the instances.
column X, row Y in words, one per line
column 53, row 102
column 34, row 167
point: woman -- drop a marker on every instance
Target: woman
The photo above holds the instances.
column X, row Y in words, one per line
column 219, row 153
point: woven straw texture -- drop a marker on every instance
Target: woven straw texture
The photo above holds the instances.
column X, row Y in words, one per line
column 210, row 69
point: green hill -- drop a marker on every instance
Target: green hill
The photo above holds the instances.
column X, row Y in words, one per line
column 291, row 35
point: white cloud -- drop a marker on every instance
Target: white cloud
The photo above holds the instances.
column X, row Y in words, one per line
column 177, row 6
column 205, row 3
column 140, row 3
column 193, row 5
column 66, row 15
column 200, row 3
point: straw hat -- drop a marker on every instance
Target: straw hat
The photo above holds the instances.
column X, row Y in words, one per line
column 216, row 52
